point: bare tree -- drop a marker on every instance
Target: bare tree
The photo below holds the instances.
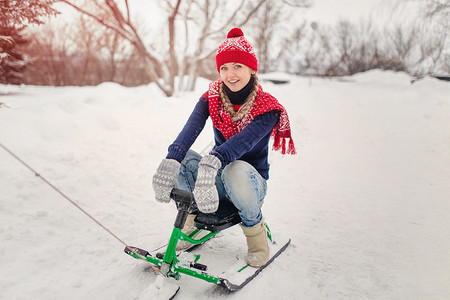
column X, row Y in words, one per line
column 440, row 10
column 157, row 69
column 213, row 18
column 49, row 52
column 438, row 7
column 81, row 54
column 99, row 47
column 265, row 24
column 434, row 48
column 209, row 20
column 273, row 33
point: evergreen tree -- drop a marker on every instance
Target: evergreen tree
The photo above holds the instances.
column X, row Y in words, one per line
column 15, row 16
column 13, row 61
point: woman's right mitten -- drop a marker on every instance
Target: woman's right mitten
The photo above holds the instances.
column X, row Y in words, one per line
column 165, row 179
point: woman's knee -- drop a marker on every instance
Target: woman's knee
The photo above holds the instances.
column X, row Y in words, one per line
column 236, row 173
column 243, row 183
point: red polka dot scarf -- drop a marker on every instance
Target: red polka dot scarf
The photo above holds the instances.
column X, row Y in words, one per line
column 264, row 102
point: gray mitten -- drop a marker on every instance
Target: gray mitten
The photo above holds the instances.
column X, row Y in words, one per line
column 205, row 191
column 165, row 179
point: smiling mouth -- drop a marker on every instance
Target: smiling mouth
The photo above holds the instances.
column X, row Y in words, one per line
column 233, row 81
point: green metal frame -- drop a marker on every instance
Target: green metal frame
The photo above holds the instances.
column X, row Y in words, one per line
column 169, row 265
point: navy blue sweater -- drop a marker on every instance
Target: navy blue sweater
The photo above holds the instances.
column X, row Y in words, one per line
column 250, row 145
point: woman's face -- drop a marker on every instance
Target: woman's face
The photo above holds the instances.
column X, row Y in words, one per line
column 235, row 75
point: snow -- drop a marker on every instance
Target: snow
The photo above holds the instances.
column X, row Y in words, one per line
column 366, row 200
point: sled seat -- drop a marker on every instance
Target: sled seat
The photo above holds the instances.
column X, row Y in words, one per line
column 227, row 215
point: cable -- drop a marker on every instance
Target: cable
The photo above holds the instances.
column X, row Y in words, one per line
column 75, row 204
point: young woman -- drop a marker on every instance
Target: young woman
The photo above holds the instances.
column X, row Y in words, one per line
column 244, row 118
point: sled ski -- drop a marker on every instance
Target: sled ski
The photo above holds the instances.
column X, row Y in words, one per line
column 176, row 292
column 253, row 272
column 234, row 273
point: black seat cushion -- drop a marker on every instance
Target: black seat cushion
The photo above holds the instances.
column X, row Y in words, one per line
column 226, row 215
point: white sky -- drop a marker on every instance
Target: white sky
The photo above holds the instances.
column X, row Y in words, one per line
column 329, row 11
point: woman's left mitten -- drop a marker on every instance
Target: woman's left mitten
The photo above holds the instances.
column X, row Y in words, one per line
column 205, row 191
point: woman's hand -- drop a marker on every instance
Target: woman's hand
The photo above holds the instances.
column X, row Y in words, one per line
column 165, row 179
column 205, row 191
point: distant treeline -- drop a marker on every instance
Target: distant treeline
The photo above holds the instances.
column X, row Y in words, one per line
column 87, row 52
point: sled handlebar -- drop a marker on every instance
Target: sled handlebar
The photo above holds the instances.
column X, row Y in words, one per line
column 184, row 200
column 181, row 197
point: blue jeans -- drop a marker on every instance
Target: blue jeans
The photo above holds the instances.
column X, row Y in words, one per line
column 238, row 182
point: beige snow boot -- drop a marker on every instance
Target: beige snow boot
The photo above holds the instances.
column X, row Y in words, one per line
column 187, row 229
column 258, row 248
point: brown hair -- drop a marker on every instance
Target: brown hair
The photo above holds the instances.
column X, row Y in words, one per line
column 243, row 110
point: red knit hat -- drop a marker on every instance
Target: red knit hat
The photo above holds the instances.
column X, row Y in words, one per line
column 236, row 49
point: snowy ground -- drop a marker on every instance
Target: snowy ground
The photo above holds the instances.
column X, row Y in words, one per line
column 366, row 202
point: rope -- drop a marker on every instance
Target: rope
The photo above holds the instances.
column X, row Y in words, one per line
column 76, row 205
